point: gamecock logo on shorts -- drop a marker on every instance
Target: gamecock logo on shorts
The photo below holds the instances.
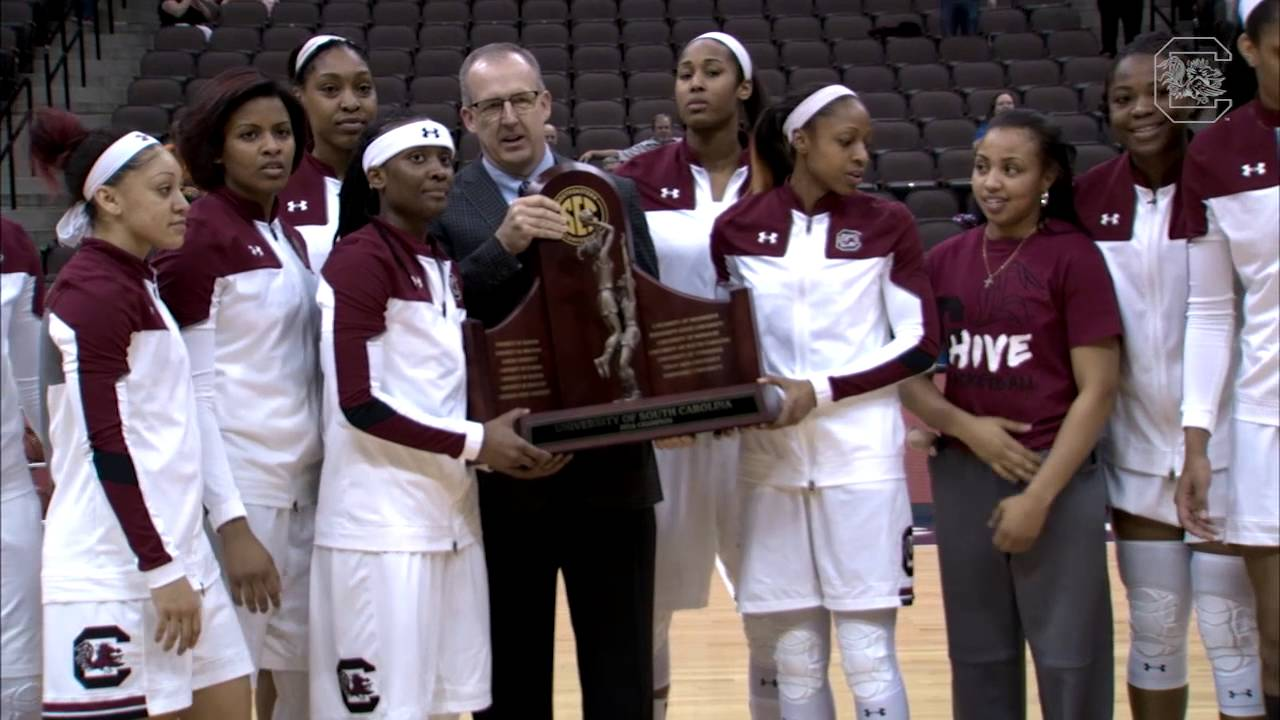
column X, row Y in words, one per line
column 98, row 659
column 356, row 681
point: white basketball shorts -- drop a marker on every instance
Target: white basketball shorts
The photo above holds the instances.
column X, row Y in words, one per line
column 1253, row 504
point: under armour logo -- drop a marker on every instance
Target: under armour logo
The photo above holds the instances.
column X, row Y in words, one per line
column 1148, row 667
column 1248, row 170
column 1232, row 693
column 880, row 712
column 767, row 683
column 670, row 193
column 256, row 251
column 430, row 132
column 1110, row 219
column 767, row 238
column 297, row 206
column 417, row 281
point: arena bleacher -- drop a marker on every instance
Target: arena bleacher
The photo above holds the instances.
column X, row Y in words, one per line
column 609, row 66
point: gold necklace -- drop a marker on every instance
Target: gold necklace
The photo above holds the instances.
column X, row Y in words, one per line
column 991, row 276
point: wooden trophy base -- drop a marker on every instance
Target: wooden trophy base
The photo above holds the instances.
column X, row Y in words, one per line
column 630, row 421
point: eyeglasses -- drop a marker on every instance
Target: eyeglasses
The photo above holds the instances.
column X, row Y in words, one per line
column 491, row 109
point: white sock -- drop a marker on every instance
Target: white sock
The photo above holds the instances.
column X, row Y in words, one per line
column 293, row 698
column 659, row 709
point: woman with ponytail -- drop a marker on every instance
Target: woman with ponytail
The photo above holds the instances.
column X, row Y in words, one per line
column 1032, row 332
column 133, row 600
column 399, row 586
column 331, row 78
column 844, row 313
column 244, row 297
column 684, row 186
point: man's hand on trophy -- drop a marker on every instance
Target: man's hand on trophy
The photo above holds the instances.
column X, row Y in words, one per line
column 530, row 217
column 506, row 452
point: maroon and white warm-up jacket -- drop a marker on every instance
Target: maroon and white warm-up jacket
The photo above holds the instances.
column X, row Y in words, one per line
column 841, row 299
column 21, row 302
column 241, row 290
column 1130, row 224
column 127, row 513
column 1231, row 178
column 397, row 438
column 310, row 203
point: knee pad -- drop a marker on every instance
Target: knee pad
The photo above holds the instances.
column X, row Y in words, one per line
column 661, row 652
column 1228, row 628
column 800, row 646
column 1157, row 580
column 20, row 698
column 867, row 654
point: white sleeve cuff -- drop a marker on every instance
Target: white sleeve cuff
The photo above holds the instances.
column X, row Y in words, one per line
column 475, row 439
column 165, row 574
column 1198, row 418
column 822, row 390
column 225, row 512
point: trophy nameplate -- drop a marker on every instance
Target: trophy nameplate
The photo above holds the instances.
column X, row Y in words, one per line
column 603, row 354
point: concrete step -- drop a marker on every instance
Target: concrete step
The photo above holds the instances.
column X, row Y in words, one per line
column 38, row 222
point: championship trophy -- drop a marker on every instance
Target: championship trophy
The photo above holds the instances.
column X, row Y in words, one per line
column 602, row 353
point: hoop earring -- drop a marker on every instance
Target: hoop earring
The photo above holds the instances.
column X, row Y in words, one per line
column 1044, row 199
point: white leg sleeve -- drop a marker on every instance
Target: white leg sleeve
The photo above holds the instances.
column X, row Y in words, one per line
column 661, row 651
column 801, row 642
column 20, row 698
column 1157, row 580
column 293, row 699
column 870, row 662
column 762, row 673
column 1229, row 630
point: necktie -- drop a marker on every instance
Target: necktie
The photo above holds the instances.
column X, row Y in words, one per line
column 523, row 190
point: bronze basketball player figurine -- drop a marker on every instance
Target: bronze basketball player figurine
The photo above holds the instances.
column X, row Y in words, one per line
column 617, row 298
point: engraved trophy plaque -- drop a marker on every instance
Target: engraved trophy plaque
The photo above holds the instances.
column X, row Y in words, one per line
column 601, row 352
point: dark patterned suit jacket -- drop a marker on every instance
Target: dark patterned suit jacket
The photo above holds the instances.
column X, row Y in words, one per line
column 493, row 283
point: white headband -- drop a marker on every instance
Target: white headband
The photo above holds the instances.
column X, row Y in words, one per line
column 731, row 42
column 309, row 49
column 75, row 222
column 421, row 133
column 1246, row 7
column 811, row 105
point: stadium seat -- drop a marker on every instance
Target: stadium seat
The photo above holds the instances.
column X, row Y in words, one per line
column 1052, row 100
column 560, row 115
column 978, row 102
column 442, row 37
column 755, row 29
column 354, row 33
column 763, row 55
column 444, row 113
column 690, row 9
column 649, row 58
column 933, row 232
column 391, row 90
column 1090, row 154
column 398, row 13
column 949, row 133
column 846, row 27
column 599, row 114
column 871, row 78
column 599, row 86
column 273, row 63
column 1024, row 74
column 1079, row 71
column 1002, row 20
column 285, row 38
column 444, row 12
column 913, row 51
column 729, row 9
column 830, row 8
column 387, row 63
column 393, row 37
column 586, row 10
column 895, row 135
column 586, row 34
column 302, row 15
column 597, row 59
column 789, row 8
column 437, row 62
column 975, row 75
column 552, row 59
column 437, row 90
column 631, row 10
column 932, row 203
column 545, row 11
column 936, row 104
column 641, row 112
column 805, row 80
column 242, row 13
column 1017, row 46
column 879, row 7
column 964, row 49
column 884, row 105
column 902, row 170
column 494, row 11
column 186, row 38
column 1078, row 128
column 955, row 167
column 805, row 54
column 558, row 85
column 1073, row 44
column 602, row 139
column 796, row 28
column 684, row 30
column 650, row 85
column 212, row 62
column 537, row 35
column 912, row 78
column 645, row 32
column 1052, row 18
column 858, row 52
column 344, row 14
column 160, row 92
column 1093, row 98
column 148, row 119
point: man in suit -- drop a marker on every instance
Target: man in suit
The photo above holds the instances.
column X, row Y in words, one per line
column 593, row 520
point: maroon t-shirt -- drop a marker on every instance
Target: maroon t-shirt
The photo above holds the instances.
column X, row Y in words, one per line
column 1009, row 346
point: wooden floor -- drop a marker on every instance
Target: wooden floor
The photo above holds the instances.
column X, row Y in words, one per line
column 709, row 659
